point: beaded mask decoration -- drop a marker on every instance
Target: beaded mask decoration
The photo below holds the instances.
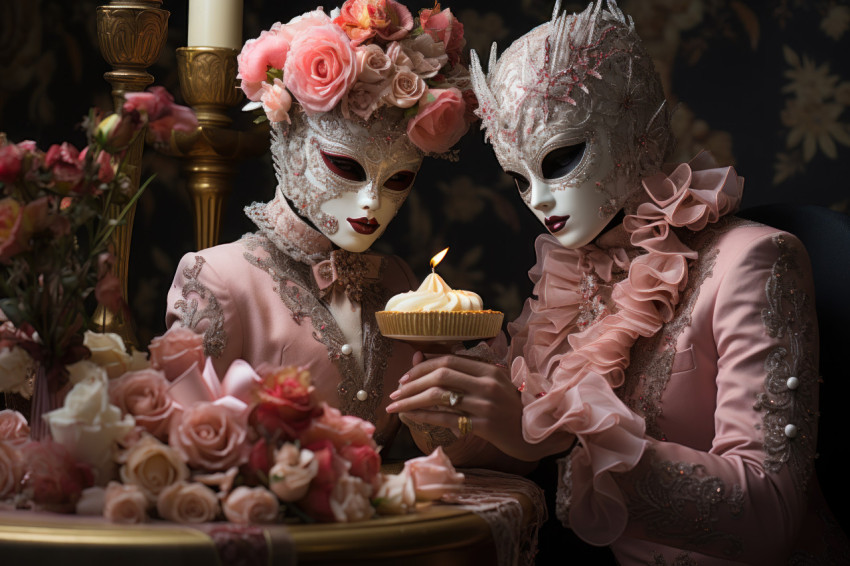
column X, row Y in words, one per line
column 356, row 98
column 582, row 82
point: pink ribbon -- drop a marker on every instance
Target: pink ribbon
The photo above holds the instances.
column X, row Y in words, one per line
column 235, row 391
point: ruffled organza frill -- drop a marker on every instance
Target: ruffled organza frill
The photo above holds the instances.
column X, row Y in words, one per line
column 571, row 345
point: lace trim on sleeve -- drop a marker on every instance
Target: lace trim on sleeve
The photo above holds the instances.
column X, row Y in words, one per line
column 679, row 500
column 215, row 337
column 789, row 421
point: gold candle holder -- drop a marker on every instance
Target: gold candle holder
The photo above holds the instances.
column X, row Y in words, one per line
column 131, row 34
column 212, row 150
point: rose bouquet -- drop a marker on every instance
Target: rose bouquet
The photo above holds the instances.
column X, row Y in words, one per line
column 170, row 439
column 367, row 55
column 55, row 232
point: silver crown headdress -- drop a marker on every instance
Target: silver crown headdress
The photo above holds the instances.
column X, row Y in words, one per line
column 578, row 73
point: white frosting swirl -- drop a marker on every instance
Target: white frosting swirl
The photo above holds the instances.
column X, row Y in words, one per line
column 435, row 295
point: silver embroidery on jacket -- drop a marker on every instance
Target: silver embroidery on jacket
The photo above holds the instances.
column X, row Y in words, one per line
column 297, row 289
column 789, row 422
column 679, row 500
column 215, row 337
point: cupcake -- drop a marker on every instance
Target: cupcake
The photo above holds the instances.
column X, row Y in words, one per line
column 435, row 310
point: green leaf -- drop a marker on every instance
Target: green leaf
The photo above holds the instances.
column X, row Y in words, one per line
column 10, row 308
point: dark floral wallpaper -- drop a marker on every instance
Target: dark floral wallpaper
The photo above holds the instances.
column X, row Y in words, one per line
column 764, row 85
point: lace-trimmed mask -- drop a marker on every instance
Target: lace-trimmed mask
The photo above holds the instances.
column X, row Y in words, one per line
column 576, row 114
column 347, row 177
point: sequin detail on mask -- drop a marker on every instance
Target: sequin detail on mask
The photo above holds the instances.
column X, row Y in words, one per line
column 682, row 559
column 215, row 337
column 579, row 73
column 306, row 181
column 680, row 501
column 788, row 318
column 297, row 289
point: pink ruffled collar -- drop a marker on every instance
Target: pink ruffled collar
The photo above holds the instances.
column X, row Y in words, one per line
column 587, row 317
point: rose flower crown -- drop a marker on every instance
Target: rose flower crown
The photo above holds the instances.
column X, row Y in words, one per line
column 367, row 56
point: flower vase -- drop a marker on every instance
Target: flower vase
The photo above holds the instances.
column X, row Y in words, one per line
column 43, row 401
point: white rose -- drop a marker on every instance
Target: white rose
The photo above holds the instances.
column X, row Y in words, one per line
column 109, row 352
column 84, row 368
column 350, row 501
column 91, row 501
column 89, row 427
column 153, row 466
column 292, row 472
column 246, row 505
column 16, row 365
column 396, row 495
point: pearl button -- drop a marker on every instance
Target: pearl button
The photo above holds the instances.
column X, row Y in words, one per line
column 790, row 430
column 361, row 395
column 792, row 382
column 346, row 349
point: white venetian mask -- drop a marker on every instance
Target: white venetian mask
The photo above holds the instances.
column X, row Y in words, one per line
column 576, row 115
column 347, row 178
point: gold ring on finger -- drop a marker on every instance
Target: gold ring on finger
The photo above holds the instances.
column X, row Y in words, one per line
column 464, row 425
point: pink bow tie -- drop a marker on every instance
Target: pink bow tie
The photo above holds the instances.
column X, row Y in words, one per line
column 350, row 272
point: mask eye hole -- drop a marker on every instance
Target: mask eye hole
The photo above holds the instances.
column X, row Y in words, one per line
column 400, row 181
column 522, row 183
column 345, row 167
column 560, row 161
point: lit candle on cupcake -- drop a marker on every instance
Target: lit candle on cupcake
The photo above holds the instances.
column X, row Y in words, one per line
column 435, row 310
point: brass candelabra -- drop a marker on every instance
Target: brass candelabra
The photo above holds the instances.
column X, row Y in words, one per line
column 131, row 34
column 211, row 152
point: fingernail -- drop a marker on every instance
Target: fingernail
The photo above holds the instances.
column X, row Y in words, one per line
column 404, row 379
column 391, row 407
column 395, row 394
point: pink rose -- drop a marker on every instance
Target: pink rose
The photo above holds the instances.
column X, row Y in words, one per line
column 350, row 500
column 247, row 505
column 423, row 55
column 341, row 430
column 10, row 469
column 210, row 437
column 443, row 26
column 406, row 89
column 365, row 463
column 52, row 478
column 153, row 466
column 373, row 64
column 156, row 102
column 11, row 157
column 115, row 132
column 440, row 122
column 320, row 69
column 13, row 427
column 363, row 19
column 257, row 55
column 330, row 469
column 222, row 481
column 433, row 475
column 187, row 503
column 65, row 165
column 144, row 394
column 176, row 351
column 363, row 99
column 292, row 472
column 276, row 101
column 125, row 504
column 179, row 119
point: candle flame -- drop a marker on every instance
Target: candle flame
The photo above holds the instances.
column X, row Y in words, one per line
column 438, row 258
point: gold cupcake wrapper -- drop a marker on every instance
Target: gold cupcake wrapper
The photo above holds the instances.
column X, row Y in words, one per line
column 465, row 324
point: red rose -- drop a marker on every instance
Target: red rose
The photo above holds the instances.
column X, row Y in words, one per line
column 331, row 468
column 10, row 163
column 64, row 163
column 365, row 463
column 52, row 478
column 286, row 405
column 341, row 430
column 443, row 26
column 260, row 459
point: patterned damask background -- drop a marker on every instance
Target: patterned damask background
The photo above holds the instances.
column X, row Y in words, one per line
column 762, row 84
